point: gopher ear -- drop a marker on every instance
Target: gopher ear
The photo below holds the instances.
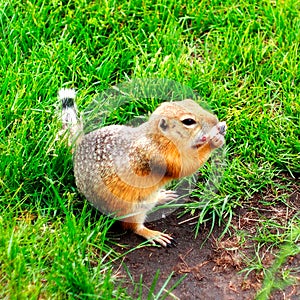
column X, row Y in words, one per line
column 163, row 124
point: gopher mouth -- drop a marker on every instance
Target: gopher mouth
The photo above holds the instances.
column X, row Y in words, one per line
column 201, row 141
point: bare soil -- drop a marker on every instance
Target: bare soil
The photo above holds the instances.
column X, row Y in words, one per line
column 212, row 266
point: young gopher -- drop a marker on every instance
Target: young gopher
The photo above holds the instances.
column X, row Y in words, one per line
column 121, row 170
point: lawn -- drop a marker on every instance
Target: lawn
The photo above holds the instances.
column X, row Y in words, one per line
column 240, row 57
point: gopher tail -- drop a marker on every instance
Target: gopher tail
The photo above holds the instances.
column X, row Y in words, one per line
column 71, row 121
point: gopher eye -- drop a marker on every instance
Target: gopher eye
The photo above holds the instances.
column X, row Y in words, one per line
column 188, row 121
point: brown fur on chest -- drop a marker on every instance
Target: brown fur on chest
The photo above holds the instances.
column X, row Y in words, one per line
column 147, row 171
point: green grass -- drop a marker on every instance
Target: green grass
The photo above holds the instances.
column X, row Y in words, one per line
column 241, row 57
column 278, row 277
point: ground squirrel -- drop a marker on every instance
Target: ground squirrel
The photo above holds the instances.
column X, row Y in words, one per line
column 121, row 170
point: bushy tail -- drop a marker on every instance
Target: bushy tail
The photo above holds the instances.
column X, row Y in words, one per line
column 71, row 121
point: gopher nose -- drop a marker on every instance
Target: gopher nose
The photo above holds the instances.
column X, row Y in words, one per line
column 222, row 127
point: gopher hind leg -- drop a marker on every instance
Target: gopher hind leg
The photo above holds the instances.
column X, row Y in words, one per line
column 136, row 224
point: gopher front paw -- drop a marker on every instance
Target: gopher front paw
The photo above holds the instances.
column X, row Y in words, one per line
column 217, row 141
column 165, row 196
column 217, row 133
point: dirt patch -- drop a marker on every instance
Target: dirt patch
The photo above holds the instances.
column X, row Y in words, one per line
column 211, row 271
column 211, row 266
